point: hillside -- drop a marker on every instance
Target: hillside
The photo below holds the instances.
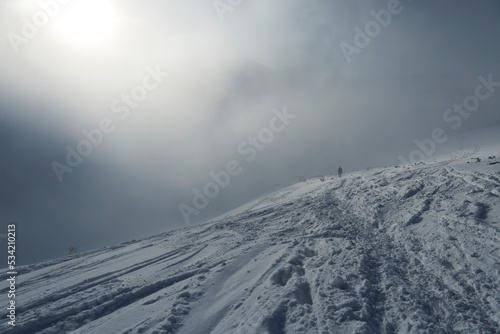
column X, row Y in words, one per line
column 389, row 250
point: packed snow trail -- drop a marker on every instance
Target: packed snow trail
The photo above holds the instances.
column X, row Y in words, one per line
column 390, row 250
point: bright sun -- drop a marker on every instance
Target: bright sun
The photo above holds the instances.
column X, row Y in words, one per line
column 86, row 20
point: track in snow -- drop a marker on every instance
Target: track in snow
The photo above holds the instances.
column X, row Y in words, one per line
column 394, row 250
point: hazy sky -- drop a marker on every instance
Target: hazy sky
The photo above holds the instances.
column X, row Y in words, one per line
column 177, row 87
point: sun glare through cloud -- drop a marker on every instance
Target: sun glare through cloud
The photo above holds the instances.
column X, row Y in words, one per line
column 86, row 21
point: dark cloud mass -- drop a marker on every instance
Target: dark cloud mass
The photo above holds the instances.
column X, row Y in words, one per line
column 226, row 81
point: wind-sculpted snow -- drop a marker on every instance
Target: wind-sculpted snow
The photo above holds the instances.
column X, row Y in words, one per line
column 391, row 250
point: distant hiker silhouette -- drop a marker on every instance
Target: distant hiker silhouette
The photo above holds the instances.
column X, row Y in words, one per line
column 339, row 171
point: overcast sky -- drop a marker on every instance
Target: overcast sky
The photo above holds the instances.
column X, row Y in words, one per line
column 177, row 87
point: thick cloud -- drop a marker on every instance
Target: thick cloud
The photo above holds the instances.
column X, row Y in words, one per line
column 225, row 78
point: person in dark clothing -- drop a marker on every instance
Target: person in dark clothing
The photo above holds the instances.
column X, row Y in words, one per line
column 339, row 171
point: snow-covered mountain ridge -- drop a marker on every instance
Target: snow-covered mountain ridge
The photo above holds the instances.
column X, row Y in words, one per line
column 390, row 250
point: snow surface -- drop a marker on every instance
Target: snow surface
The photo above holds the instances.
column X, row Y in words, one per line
column 414, row 249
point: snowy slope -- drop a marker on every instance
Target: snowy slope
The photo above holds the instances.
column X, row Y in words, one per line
column 390, row 250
